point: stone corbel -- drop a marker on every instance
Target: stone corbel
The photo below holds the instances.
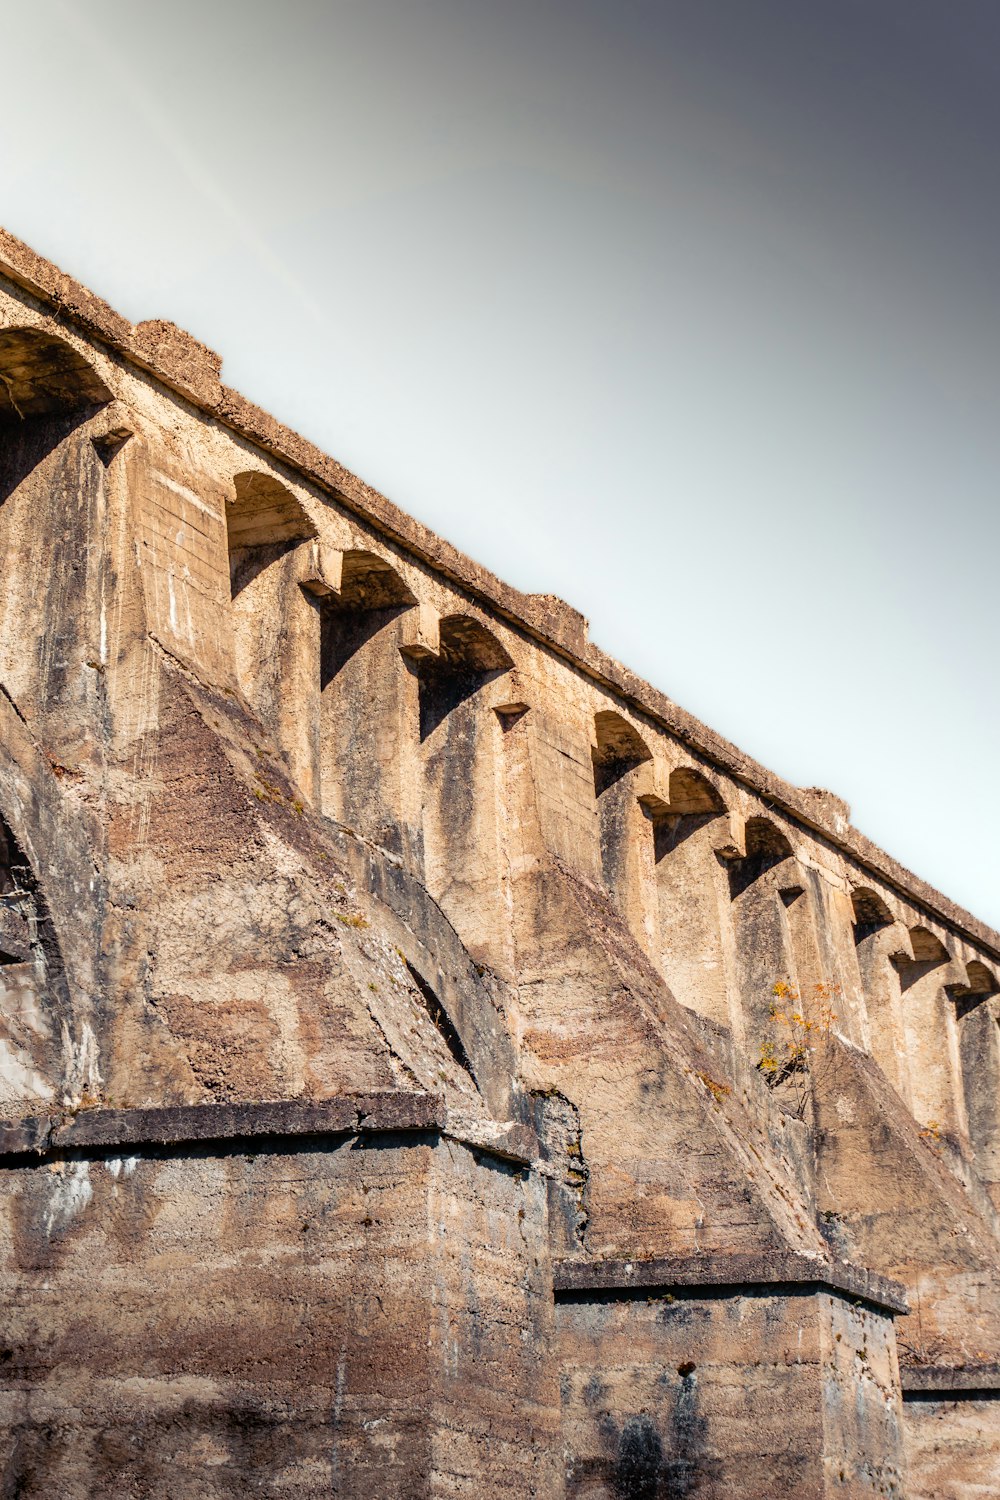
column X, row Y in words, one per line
column 790, row 879
column 894, row 941
column 730, row 840
column 111, row 431
column 322, row 569
column 421, row 634
column 511, row 703
column 652, row 789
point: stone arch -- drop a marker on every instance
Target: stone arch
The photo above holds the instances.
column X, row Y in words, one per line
column 618, row 748
column 368, row 710
column 928, row 953
column 469, row 656
column 275, row 626
column 871, row 914
column 981, row 984
column 767, row 847
column 42, row 375
column 460, row 818
column 46, row 390
column 264, row 521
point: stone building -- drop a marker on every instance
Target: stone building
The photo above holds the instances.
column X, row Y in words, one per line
column 432, row 1064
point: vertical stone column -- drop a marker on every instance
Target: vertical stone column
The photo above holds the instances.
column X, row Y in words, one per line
column 978, row 1016
column 689, row 831
column 275, row 625
column 930, row 1031
column 459, row 744
column 369, row 709
column 880, row 941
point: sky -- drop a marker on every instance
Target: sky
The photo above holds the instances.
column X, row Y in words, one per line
column 687, row 312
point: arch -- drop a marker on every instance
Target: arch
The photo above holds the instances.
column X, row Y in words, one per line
column 371, row 594
column 690, row 893
column 979, row 1060
column 626, row 858
column 459, row 759
column 618, row 747
column 767, row 847
column 367, row 581
column 980, row 985
column 928, row 951
column 275, row 625
column 930, row 1027
column 690, row 792
column 47, row 390
column 469, row 656
column 264, row 520
column 982, row 981
column 871, row 914
column 468, row 645
column 43, row 376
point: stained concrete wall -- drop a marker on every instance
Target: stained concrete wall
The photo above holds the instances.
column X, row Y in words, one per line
column 296, row 802
column 686, row 1392
column 359, row 1316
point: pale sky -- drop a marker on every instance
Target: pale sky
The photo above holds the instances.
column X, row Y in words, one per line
column 687, row 312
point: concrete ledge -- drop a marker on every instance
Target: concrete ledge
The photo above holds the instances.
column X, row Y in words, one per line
column 963, row 1382
column 735, row 1272
column 104, row 1130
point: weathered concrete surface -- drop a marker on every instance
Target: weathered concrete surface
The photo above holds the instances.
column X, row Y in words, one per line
column 391, row 984
column 953, row 1445
column 355, row 1317
column 684, row 1392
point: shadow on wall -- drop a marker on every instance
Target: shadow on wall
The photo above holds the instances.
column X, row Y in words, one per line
column 46, row 391
column 470, row 656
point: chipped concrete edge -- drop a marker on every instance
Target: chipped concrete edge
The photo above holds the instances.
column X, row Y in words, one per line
column 100, row 1130
column 178, row 361
column 736, row 1271
column 947, row 1381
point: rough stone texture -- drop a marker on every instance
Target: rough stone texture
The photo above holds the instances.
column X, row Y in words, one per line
column 431, row 1063
column 685, row 1394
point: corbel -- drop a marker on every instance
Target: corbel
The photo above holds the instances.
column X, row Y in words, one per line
column 421, row 634
column 322, row 570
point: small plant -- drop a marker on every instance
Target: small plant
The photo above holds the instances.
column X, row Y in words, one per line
column 931, row 1134
column 718, row 1091
column 790, row 1058
column 351, row 918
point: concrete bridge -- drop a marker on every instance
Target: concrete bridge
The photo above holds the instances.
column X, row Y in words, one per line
column 431, row 1062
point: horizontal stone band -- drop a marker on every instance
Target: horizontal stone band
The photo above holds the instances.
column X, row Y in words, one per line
column 737, row 1271
column 102, row 1130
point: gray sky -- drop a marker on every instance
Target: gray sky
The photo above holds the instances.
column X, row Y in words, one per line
column 688, row 312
